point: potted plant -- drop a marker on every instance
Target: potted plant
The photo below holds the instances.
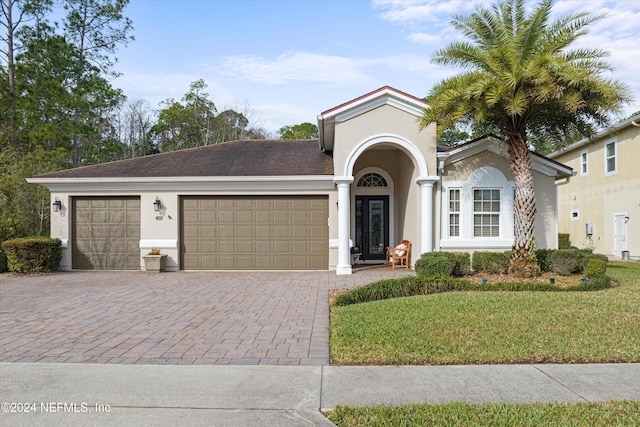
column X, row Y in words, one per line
column 154, row 261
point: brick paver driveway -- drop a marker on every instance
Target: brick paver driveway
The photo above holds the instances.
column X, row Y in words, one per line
column 278, row 318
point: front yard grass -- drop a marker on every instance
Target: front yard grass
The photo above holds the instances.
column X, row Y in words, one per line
column 466, row 414
column 494, row 327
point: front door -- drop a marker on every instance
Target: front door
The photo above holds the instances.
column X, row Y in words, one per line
column 372, row 226
column 620, row 237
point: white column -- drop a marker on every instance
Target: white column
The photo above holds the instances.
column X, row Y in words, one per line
column 426, row 213
column 344, row 210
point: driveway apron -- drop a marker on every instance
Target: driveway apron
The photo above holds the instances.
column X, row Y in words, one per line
column 193, row 318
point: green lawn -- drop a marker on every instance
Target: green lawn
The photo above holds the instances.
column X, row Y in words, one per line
column 494, row 327
column 465, row 414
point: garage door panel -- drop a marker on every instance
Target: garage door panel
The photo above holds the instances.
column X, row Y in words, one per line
column 246, row 232
column 106, row 233
column 228, row 231
column 281, row 232
column 299, row 232
column 227, row 262
column 264, row 231
column 280, row 216
column 263, row 246
column 300, row 246
column 246, row 247
column 255, row 232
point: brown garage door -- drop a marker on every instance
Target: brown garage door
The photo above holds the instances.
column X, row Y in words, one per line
column 106, row 233
column 255, row 233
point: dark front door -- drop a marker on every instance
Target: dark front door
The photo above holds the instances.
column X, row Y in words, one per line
column 372, row 226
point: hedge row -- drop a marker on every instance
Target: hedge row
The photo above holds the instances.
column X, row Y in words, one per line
column 560, row 261
column 424, row 285
column 32, row 254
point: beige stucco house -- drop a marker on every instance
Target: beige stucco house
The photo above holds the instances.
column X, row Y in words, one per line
column 373, row 178
column 600, row 206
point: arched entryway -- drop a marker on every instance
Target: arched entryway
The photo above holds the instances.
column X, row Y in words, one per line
column 349, row 194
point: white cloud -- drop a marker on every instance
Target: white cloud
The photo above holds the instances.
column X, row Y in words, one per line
column 424, row 38
column 295, row 67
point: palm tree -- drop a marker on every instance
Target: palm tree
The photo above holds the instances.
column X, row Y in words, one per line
column 520, row 74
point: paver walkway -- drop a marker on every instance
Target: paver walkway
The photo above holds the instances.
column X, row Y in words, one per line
column 199, row 318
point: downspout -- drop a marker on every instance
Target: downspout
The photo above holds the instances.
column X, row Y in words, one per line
column 633, row 122
column 558, row 184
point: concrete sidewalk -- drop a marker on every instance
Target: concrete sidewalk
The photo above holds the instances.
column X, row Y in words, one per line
column 83, row 394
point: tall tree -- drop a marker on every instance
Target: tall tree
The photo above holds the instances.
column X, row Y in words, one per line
column 300, row 131
column 186, row 124
column 521, row 74
column 14, row 15
column 46, row 71
column 95, row 28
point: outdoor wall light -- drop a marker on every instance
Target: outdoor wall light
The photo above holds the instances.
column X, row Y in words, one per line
column 57, row 205
column 157, row 204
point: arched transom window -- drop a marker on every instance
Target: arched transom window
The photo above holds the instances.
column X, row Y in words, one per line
column 372, row 179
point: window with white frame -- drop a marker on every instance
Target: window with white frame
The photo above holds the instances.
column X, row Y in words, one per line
column 584, row 165
column 610, row 164
column 486, row 212
column 454, row 212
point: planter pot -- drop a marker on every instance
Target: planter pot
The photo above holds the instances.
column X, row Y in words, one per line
column 154, row 263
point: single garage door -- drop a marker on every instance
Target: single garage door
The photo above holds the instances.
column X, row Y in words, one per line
column 255, row 233
column 106, row 233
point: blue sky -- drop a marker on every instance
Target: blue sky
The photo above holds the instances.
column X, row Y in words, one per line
column 283, row 62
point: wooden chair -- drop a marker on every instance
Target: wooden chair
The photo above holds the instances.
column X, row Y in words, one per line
column 398, row 253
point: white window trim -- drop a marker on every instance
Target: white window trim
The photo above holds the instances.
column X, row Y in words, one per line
column 615, row 157
column 459, row 212
column 585, row 163
column 577, row 217
column 499, row 213
column 483, row 177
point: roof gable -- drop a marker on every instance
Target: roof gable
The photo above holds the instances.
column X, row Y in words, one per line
column 496, row 145
column 385, row 95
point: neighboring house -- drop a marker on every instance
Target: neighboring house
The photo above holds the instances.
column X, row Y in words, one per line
column 372, row 179
column 600, row 206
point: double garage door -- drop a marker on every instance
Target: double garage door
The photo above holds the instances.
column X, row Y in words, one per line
column 254, row 233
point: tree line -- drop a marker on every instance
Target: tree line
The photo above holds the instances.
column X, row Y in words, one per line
column 59, row 108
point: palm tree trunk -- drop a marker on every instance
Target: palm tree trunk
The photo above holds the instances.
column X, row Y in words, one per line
column 525, row 200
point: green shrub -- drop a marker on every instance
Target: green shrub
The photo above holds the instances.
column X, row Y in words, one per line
column 435, row 264
column 563, row 241
column 33, row 254
column 543, row 257
column 422, row 285
column 595, row 268
column 597, row 284
column 463, row 264
column 567, row 261
column 491, row 262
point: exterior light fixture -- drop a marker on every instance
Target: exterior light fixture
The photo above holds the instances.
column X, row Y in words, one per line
column 57, row 205
column 157, row 204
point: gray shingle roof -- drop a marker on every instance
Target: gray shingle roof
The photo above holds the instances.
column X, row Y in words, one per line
column 235, row 158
